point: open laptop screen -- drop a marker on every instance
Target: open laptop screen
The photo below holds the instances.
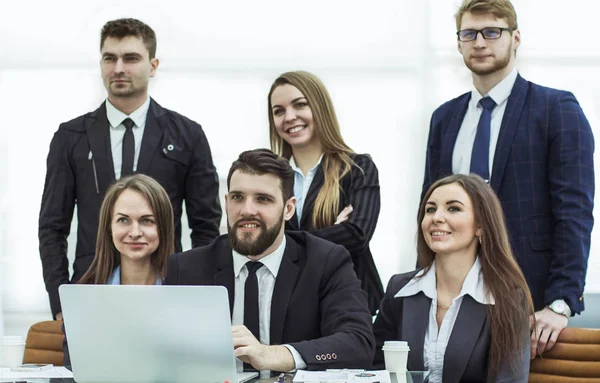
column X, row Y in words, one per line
column 124, row 333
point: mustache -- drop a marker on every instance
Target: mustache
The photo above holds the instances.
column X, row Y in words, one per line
column 253, row 220
column 119, row 77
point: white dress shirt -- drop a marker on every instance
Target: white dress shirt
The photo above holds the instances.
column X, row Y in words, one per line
column 266, row 276
column 117, row 131
column 436, row 339
column 463, row 148
column 302, row 184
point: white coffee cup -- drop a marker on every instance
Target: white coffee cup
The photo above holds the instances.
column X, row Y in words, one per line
column 13, row 348
column 396, row 356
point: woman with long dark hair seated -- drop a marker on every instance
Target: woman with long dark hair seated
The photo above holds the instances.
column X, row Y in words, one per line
column 135, row 236
column 465, row 314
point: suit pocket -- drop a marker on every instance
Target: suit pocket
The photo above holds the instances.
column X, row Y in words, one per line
column 540, row 226
column 541, row 242
column 177, row 154
column 171, row 167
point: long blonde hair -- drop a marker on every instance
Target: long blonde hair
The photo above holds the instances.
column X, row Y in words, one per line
column 107, row 257
column 336, row 160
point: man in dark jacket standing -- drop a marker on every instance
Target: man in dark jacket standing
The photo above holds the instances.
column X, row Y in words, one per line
column 129, row 133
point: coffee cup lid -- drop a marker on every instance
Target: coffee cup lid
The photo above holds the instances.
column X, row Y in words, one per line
column 395, row 344
column 399, row 349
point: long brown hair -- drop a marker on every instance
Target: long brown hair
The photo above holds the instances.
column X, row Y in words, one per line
column 107, row 258
column 503, row 279
column 336, row 161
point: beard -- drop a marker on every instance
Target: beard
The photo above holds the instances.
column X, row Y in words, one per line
column 131, row 88
column 245, row 245
column 500, row 62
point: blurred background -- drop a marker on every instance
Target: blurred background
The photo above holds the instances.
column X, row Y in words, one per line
column 387, row 64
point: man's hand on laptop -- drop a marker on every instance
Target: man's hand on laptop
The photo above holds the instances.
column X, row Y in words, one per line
column 262, row 357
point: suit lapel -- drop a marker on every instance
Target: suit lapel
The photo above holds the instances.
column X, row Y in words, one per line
column 98, row 134
column 415, row 319
column 510, row 121
column 282, row 292
column 449, row 137
column 465, row 333
column 311, row 196
column 224, row 272
column 153, row 133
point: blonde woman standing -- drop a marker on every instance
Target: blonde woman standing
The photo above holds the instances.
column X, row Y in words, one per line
column 337, row 190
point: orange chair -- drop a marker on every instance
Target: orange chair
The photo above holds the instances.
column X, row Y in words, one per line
column 574, row 358
column 44, row 343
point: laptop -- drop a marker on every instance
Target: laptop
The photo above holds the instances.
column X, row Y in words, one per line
column 124, row 333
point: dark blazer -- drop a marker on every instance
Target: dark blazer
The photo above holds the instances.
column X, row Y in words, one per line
column 359, row 188
column 317, row 306
column 80, row 169
column 543, row 173
column 466, row 356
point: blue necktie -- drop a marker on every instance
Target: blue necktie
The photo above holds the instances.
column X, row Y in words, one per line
column 480, row 157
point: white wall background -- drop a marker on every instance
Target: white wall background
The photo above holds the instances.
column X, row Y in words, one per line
column 387, row 64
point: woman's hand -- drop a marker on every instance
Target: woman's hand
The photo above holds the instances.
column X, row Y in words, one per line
column 344, row 214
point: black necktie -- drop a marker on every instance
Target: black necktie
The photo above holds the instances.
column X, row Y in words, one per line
column 480, row 157
column 128, row 148
column 251, row 313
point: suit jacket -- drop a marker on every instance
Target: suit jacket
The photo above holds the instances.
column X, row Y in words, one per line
column 466, row 356
column 317, row 306
column 80, row 169
column 359, row 188
column 543, row 173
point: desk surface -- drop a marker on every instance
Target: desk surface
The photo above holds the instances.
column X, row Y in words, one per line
column 411, row 377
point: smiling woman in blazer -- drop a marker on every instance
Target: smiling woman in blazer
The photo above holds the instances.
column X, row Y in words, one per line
column 465, row 315
column 337, row 191
column 135, row 236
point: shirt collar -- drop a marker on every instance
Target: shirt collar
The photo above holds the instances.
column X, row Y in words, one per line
column 271, row 261
column 298, row 170
column 473, row 285
column 115, row 116
column 498, row 93
column 426, row 284
column 115, row 277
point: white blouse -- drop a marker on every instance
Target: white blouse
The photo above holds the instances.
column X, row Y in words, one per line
column 436, row 339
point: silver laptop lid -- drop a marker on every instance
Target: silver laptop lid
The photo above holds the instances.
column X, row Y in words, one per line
column 124, row 333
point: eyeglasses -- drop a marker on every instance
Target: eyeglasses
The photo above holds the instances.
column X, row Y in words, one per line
column 491, row 33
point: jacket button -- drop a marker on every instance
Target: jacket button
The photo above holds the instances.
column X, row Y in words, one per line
column 317, row 357
column 334, row 355
column 328, row 356
column 170, row 147
column 323, row 357
column 581, row 299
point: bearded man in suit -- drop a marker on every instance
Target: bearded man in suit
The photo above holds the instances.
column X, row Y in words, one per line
column 295, row 300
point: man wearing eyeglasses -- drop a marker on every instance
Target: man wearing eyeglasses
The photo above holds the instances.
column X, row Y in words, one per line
column 535, row 147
